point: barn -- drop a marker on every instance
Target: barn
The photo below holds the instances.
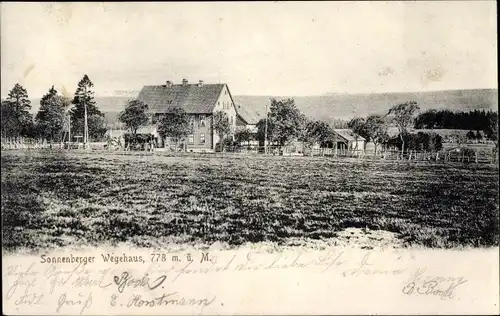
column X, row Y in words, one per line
column 346, row 139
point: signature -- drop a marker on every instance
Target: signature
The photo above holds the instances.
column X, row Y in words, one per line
column 127, row 280
column 168, row 299
column 444, row 287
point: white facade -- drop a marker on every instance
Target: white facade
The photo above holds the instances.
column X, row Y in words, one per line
column 225, row 103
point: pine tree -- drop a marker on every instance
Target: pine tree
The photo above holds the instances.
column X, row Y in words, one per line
column 16, row 118
column 84, row 96
column 50, row 118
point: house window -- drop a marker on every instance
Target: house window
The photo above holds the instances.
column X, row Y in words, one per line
column 191, row 121
column 202, row 121
column 231, row 120
column 191, row 139
column 202, row 138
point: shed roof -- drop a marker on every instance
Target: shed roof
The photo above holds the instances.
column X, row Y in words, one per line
column 348, row 134
column 193, row 98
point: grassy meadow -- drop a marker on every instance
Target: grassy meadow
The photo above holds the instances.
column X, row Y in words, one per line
column 55, row 198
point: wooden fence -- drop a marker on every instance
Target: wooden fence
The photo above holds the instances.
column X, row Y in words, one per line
column 460, row 155
column 412, row 155
column 27, row 143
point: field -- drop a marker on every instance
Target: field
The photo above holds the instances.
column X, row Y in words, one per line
column 52, row 199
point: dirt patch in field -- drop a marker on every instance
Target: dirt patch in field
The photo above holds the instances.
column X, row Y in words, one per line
column 362, row 238
column 367, row 238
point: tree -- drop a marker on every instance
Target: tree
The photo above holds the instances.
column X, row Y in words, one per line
column 16, row 118
column 470, row 135
column 175, row 124
column 134, row 116
column 419, row 141
column 428, row 119
column 243, row 135
column 261, row 130
column 9, row 119
column 84, row 101
column 376, row 130
column 221, row 126
column 478, row 136
column 97, row 126
column 50, row 119
column 435, row 142
column 318, row 132
column 286, row 121
column 358, row 126
column 491, row 130
column 403, row 116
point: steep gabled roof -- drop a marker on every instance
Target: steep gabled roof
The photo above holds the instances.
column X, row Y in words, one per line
column 191, row 97
column 348, row 134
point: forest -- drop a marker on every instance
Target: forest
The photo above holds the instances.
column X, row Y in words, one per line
column 475, row 120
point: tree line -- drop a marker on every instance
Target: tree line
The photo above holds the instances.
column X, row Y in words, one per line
column 284, row 123
column 476, row 120
column 56, row 115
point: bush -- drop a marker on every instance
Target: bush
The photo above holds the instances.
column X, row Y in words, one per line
column 421, row 141
column 227, row 145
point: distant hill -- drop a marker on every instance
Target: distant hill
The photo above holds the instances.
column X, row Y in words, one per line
column 347, row 106
column 342, row 106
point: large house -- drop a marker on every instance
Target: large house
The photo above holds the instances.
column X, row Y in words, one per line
column 200, row 101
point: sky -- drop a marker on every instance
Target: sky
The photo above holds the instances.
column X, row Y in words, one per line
column 257, row 48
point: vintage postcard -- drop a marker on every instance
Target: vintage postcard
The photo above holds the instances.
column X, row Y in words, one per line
column 249, row 158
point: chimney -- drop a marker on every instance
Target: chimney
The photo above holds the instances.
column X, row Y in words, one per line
column 184, row 82
column 169, row 84
column 200, row 83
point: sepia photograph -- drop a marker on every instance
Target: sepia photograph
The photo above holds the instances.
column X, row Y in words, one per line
column 256, row 157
